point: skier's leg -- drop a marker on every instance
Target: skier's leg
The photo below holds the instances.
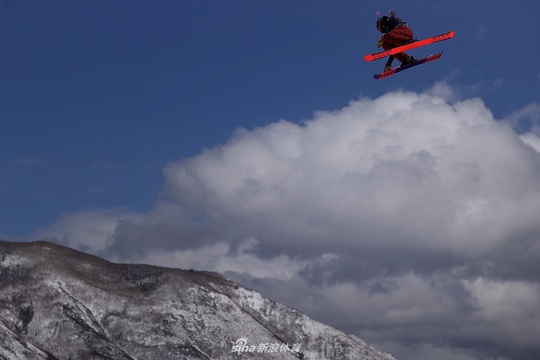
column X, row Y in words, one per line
column 397, row 37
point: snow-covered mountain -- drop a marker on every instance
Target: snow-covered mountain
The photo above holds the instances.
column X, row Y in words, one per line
column 58, row 303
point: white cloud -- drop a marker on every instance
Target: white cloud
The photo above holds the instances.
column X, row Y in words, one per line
column 399, row 218
column 443, row 90
column 221, row 258
column 503, row 301
column 404, row 164
column 532, row 140
column 86, row 230
column 526, row 119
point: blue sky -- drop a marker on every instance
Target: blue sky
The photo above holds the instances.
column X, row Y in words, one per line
column 97, row 96
column 121, row 117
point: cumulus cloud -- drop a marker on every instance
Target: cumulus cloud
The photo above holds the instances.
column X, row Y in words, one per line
column 410, row 220
column 89, row 231
column 527, row 119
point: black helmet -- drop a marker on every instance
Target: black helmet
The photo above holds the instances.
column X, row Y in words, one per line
column 382, row 24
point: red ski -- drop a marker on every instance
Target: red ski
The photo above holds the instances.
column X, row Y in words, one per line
column 415, row 44
column 386, row 74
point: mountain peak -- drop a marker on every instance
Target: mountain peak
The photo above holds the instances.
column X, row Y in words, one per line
column 59, row 303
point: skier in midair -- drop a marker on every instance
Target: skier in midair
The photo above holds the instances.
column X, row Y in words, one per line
column 396, row 33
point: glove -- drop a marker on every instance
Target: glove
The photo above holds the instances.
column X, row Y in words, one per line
column 381, row 41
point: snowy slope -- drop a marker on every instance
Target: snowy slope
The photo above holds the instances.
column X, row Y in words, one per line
column 58, row 303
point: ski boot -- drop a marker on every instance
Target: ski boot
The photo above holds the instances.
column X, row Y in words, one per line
column 408, row 60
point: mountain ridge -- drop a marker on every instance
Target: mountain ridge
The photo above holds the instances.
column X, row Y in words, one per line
column 60, row 303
